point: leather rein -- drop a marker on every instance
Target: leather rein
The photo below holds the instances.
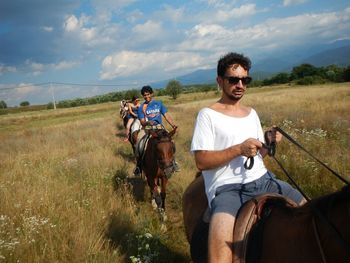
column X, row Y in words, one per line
column 270, row 145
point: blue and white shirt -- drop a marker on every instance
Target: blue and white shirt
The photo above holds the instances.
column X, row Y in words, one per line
column 154, row 111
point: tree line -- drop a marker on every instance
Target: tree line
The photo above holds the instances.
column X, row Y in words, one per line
column 304, row 74
column 307, row 74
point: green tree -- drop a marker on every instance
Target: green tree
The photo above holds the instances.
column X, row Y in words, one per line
column 346, row 74
column 49, row 105
column 3, row 104
column 24, row 103
column 130, row 93
column 280, row 78
column 160, row 92
column 310, row 80
column 333, row 73
column 174, row 88
column 304, row 70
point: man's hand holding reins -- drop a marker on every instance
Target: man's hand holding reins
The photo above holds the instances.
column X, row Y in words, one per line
column 250, row 147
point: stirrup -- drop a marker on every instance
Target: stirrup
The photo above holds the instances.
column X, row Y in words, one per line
column 176, row 167
column 137, row 171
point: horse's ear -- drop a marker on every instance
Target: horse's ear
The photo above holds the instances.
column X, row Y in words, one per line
column 171, row 134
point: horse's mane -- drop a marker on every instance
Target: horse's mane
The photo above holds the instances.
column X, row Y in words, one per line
column 326, row 201
column 322, row 203
column 340, row 196
column 162, row 133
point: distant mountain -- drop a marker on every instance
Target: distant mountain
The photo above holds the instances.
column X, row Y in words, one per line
column 201, row 76
column 265, row 68
column 270, row 65
column 338, row 56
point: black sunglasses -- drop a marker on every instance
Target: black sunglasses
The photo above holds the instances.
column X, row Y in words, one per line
column 235, row 80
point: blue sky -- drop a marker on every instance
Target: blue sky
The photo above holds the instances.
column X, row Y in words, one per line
column 129, row 43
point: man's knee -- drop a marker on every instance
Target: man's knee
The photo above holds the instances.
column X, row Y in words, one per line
column 221, row 237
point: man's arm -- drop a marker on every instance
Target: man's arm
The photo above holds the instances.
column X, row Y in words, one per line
column 142, row 114
column 169, row 119
column 131, row 110
column 206, row 160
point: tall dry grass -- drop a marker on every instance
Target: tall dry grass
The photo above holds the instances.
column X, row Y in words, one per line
column 66, row 194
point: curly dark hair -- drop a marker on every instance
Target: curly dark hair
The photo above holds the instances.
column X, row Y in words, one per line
column 146, row 89
column 230, row 59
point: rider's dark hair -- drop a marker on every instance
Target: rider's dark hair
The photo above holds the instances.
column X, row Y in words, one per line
column 146, row 89
column 230, row 59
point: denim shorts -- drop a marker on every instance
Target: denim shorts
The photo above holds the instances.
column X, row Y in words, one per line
column 229, row 198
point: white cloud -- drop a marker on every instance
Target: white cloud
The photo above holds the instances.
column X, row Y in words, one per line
column 87, row 33
column 224, row 12
column 106, row 8
column 148, row 28
column 209, row 39
column 205, row 37
column 7, row 69
column 215, row 3
column 168, row 12
column 111, row 4
column 36, row 68
column 134, row 16
column 271, row 34
column 126, row 63
column 24, row 89
column 293, row 2
column 15, row 94
column 150, row 32
column 235, row 13
column 71, row 24
column 47, row 28
column 65, row 65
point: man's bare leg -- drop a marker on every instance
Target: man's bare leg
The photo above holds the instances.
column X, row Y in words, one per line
column 221, row 238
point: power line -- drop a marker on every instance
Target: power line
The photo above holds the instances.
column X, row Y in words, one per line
column 71, row 84
column 133, row 84
column 26, row 86
column 100, row 85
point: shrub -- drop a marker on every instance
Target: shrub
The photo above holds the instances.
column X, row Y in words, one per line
column 3, row 104
column 49, row 106
column 174, row 88
column 309, row 80
column 24, row 103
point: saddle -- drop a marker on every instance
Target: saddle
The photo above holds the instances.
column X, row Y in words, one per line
column 141, row 146
column 248, row 230
column 135, row 126
column 247, row 235
column 144, row 136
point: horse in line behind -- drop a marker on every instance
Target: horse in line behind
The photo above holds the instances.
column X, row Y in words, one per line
column 272, row 229
column 158, row 164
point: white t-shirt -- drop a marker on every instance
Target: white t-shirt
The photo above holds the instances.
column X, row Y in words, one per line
column 217, row 131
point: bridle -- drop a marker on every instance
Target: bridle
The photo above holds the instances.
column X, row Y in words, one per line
column 167, row 169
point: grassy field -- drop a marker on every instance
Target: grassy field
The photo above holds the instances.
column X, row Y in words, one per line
column 66, row 191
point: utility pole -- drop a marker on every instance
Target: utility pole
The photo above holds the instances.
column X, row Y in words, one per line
column 53, row 96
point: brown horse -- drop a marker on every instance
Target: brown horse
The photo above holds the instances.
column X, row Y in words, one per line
column 123, row 111
column 158, row 164
column 272, row 229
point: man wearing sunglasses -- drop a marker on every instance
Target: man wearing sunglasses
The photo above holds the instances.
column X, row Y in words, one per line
column 225, row 135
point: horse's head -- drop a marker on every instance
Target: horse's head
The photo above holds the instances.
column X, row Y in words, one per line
column 165, row 150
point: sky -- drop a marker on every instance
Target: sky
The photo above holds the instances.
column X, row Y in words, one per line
column 64, row 49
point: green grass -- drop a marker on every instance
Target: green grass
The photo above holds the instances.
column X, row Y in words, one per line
column 65, row 190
